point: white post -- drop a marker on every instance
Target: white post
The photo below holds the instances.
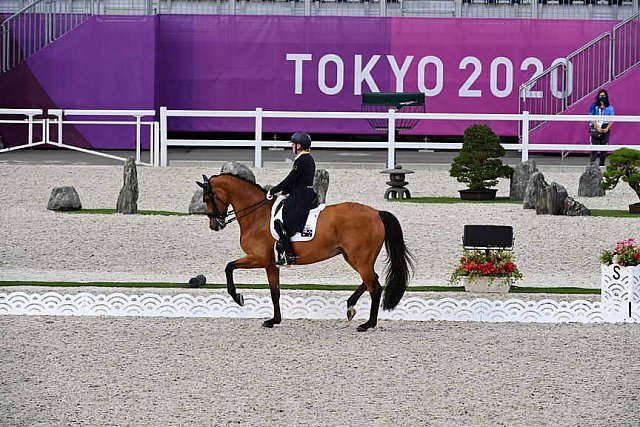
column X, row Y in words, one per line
column 152, row 144
column 391, row 135
column 163, row 136
column 138, row 139
column 525, row 136
column 257, row 161
column 30, row 131
column 156, row 143
column 59, row 114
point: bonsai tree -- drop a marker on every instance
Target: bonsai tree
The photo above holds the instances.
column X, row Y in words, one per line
column 478, row 164
column 624, row 163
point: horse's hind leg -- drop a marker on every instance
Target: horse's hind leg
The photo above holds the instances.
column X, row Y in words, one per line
column 273, row 274
column 370, row 283
column 375, row 290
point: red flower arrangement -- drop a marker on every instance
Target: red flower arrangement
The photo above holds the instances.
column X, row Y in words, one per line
column 626, row 253
column 499, row 264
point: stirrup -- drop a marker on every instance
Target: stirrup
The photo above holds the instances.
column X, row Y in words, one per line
column 285, row 260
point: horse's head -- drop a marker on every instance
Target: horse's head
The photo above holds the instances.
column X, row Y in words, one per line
column 216, row 207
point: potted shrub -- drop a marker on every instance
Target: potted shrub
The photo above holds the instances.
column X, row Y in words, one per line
column 486, row 271
column 624, row 163
column 478, row 164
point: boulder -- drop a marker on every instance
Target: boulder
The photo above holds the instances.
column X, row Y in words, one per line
column 590, row 180
column 321, row 184
column 551, row 201
column 197, row 206
column 128, row 198
column 238, row 169
column 64, row 199
column 574, row 208
column 520, row 179
column 535, row 189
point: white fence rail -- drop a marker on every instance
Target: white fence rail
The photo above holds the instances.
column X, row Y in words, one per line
column 26, row 117
column 125, row 119
column 98, row 117
column 391, row 144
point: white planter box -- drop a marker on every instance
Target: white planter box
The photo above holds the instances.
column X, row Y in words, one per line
column 498, row 285
column 620, row 293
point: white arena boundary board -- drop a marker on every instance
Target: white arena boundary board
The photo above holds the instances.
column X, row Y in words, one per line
column 317, row 306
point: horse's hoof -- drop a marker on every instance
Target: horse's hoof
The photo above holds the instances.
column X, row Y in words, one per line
column 239, row 299
column 267, row 324
column 351, row 312
column 365, row 326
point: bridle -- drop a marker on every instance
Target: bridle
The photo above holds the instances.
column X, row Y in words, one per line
column 221, row 217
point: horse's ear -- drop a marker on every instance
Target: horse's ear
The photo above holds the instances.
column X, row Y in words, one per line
column 204, row 177
column 201, row 185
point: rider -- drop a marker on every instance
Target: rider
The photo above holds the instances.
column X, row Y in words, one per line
column 299, row 185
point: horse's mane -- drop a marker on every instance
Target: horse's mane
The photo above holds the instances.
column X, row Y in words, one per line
column 258, row 186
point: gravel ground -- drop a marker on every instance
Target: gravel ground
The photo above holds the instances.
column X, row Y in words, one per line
column 43, row 245
column 99, row 371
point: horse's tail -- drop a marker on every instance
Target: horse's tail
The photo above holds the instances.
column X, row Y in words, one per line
column 399, row 261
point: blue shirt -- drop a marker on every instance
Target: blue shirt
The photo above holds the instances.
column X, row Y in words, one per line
column 596, row 110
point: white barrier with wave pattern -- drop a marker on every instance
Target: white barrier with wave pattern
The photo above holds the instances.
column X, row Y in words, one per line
column 307, row 307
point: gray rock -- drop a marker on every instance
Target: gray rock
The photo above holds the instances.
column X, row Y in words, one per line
column 197, row 206
column 520, row 179
column 551, row 201
column 64, row 199
column 535, row 189
column 321, row 184
column 128, row 198
column 238, row 169
column 590, row 180
column 574, row 208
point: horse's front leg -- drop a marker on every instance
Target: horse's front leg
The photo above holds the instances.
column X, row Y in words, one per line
column 273, row 274
column 244, row 262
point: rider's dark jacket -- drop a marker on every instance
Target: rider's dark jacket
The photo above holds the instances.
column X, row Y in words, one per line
column 299, row 186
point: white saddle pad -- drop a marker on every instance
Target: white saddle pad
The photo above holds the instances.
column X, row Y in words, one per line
column 309, row 229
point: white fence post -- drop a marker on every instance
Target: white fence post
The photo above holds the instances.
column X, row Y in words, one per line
column 58, row 114
column 525, row 136
column 163, row 136
column 138, row 139
column 156, row 144
column 257, row 162
column 391, row 133
column 30, row 130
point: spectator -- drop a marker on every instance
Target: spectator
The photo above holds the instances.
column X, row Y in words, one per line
column 600, row 129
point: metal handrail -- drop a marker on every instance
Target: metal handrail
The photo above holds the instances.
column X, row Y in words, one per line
column 36, row 26
column 617, row 29
column 579, row 79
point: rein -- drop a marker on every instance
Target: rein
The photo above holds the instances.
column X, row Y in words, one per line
column 221, row 217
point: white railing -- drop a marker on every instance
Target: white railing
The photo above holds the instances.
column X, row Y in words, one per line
column 18, row 117
column 391, row 144
column 97, row 116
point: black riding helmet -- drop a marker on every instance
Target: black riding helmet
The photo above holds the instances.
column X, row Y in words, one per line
column 301, row 138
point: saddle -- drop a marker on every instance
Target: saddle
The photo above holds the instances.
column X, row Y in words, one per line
column 309, row 229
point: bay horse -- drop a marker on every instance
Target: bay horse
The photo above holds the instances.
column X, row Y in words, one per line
column 353, row 230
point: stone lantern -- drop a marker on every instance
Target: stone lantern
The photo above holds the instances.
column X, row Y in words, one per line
column 397, row 183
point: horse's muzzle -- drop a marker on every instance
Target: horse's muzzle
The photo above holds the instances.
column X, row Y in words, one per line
column 216, row 225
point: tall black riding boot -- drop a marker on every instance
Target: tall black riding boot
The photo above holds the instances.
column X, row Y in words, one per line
column 285, row 241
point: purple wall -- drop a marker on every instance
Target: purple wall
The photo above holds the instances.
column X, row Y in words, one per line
column 293, row 63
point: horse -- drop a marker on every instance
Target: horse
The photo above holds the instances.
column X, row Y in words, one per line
column 353, row 230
